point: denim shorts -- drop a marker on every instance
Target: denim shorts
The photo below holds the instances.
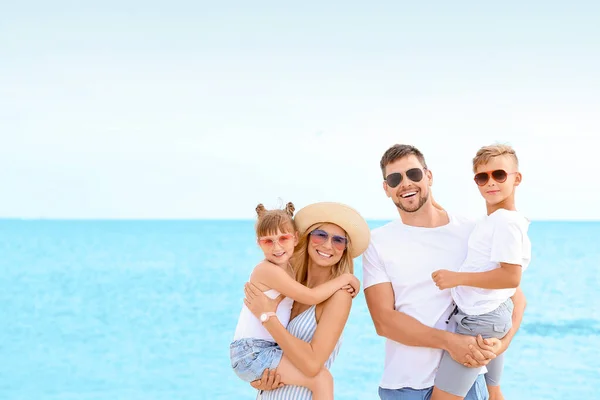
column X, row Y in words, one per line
column 478, row 392
column 250, row 357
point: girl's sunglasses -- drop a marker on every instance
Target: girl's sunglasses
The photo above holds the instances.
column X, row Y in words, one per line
column 319, row 236
column 270, row 241
column 498, row 175
column 394, row 179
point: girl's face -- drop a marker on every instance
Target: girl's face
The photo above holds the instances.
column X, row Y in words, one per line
column 279, row 247
column 326, row 245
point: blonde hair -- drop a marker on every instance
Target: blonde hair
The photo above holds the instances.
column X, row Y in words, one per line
column 301, row 258
column 486, row 153
column 269, row 221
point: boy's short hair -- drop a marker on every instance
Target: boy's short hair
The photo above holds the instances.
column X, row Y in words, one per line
column 486, row 153
column 399, row 151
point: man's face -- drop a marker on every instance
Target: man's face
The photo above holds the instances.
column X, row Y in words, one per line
column 501, row 183
column 413, row 190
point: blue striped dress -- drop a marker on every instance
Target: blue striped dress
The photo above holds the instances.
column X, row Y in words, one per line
column 303, row 327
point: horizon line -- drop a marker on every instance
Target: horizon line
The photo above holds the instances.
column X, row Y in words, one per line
column 222, row 219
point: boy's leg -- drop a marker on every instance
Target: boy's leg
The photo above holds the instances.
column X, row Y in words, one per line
column 321, row 385
column 453, row 380
column 492, row 377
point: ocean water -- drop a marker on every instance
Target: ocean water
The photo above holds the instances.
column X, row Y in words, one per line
column 133, row 310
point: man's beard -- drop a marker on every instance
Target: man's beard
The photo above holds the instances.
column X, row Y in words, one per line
column 416, row 208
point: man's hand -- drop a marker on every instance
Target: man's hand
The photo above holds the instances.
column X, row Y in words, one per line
column 496, row 346
column 471, row 351
column 445, row 279
column 270, row 380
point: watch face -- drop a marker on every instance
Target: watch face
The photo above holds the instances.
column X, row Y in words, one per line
column 263, row 317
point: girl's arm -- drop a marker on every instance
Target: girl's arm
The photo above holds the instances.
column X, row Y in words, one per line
column 307, row 357
column 276, row 278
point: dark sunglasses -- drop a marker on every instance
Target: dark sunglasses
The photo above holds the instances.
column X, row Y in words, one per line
column 499, row 175
column 394, row 179
column 319, row 236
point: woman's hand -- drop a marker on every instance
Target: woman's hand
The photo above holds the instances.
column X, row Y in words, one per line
column 257, row 302
column 270, row 380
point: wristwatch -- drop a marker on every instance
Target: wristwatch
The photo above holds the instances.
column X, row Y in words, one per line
column 264, row 317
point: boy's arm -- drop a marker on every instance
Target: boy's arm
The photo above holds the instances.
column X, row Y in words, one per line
column 276, row 278
column 508, row 276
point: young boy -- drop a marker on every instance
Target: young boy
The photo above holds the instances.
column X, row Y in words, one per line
column 499, row 251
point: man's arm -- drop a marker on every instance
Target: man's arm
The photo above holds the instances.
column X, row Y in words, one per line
column 399, row 326
column 520, row 303
column 407, row 330
column 499, row 346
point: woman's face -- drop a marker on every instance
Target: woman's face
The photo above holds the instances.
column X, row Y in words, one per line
column 325, row 245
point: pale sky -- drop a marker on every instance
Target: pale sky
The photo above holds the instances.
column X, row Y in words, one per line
column 131, row 109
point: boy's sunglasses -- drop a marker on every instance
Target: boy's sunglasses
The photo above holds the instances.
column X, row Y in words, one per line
column 319, row 236
column 499, row 175
column 394, row 179
column 270, row 241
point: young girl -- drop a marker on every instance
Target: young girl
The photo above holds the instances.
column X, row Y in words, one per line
column 499, row 251
column 253, row 348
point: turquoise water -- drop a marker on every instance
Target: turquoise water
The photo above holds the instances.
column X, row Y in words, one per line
column 146, row 310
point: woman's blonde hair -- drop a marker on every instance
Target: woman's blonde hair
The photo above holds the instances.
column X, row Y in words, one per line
column 301, row 258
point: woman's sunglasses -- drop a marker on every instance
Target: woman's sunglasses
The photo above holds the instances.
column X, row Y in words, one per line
column 394, row 179
column 499, row 175
column 270, row 241
column 319, row 236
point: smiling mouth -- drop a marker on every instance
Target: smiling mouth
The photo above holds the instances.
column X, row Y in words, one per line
column 279, row 254
column 408, row 194
column 324, row 254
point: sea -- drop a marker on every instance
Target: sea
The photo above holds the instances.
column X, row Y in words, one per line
column 145, row 310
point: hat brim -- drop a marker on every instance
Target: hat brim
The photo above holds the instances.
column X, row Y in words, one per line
column 339, row 214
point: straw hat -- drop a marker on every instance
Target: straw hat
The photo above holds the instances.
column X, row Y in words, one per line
column 340, row 214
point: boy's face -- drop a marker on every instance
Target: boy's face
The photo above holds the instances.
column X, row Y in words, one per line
column 493, row 191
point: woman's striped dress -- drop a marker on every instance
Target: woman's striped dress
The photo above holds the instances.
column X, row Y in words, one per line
column 303, row 327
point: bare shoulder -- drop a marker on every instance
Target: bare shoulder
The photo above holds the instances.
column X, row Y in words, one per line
column 340, row 299
column 263, row 267
column 264, row 264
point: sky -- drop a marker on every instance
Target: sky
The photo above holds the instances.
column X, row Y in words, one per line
column 192, row 109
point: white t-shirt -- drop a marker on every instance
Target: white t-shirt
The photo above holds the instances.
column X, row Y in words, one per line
column 499, row 237
column 406, row 256
column 249, row 326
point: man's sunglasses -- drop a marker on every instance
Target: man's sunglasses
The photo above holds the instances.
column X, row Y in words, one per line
column 270, row 241
column 499, row 175
column 394, row 179
column 319, row 236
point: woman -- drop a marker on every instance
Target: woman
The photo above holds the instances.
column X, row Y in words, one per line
column 332, row 235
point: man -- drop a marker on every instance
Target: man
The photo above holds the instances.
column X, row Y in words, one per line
column 406, row 306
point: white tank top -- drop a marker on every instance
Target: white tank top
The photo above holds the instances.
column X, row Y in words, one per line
column 249, row 326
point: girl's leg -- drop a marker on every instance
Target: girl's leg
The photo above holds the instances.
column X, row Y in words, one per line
column 321, row 385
